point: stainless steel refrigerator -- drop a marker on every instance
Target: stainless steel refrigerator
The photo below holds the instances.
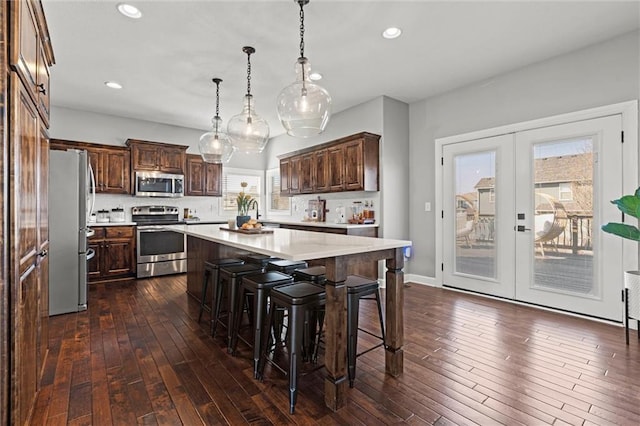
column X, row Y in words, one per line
column 70, row 195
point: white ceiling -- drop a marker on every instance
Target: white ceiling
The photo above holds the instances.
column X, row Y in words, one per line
column 166, row 59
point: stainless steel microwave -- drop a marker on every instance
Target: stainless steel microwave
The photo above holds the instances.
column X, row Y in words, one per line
column 158, row 184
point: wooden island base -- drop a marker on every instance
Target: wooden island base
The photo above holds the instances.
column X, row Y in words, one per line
column 201, row 249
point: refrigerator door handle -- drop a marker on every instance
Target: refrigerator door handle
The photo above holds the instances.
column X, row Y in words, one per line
column 90, row 254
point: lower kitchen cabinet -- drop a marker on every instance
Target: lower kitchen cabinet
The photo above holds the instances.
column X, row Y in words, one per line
column 115, row 254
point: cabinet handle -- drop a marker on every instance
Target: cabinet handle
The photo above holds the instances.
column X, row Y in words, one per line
column 43, row 253
column 41, row 89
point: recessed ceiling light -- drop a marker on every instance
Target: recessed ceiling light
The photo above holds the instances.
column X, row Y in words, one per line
column 315, row 76
column 113, row 85
column 129, row 11
column 391, row 32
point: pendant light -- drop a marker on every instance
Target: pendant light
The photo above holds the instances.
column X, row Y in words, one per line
column 215, row 146
column 304, row 107
column 248, row 131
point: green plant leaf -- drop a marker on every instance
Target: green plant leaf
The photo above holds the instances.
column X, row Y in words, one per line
column 629, row 204
column 622, row 230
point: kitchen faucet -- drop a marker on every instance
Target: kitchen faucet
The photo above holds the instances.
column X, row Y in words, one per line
column 257, row 211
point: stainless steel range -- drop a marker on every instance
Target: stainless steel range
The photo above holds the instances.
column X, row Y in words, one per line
column 159, row 252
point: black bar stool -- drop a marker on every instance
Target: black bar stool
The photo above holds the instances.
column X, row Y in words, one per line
column 259, row 259
column 258, row 285
column 230, row 277
column 298, row 298
column 211, row 273
column 359, row 288
column 314, row 274
column 286, row 266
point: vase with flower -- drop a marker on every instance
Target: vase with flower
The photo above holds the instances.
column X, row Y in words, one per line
column 245, row 202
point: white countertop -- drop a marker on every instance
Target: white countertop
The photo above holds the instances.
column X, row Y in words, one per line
column 292, row 244
column 95, row 224
column 320, row 224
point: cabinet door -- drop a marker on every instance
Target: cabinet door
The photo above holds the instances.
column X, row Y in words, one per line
column 307, row 173
column 26, row 347
column 43, row 86
column 172, row 160
column 43, row 246
column 24, row 45
column 118, row 257
column 115, row 172
column 353, row 166
column 145, row 157
column 42, row 338
column 195, row 175
column 335, row 168
column 95, row 160
column 321, row 165
column 213, row 180
column 94, row 265
column 285, row 176
column 294, row 175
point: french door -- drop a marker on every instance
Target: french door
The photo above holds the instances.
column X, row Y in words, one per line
column 522, row 215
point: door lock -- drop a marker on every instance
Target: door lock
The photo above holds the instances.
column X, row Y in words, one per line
column 521, row 228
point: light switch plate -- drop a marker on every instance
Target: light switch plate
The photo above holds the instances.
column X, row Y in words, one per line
column 427, row 206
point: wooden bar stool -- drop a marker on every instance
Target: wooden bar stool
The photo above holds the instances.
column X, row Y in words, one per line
column 211, row 273
column 229, row 278
column 259, row 286
column 286, row 266
column 359, row 288
column 298, row 298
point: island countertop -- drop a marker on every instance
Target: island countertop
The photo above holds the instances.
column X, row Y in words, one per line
column 291, row 244
column 320, row 224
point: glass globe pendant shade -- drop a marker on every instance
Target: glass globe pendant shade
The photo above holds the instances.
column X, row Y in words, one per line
column 249, row 133
column 215, row 146
column 304, row 107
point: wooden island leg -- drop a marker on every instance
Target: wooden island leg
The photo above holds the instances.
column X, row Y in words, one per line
column 335, row 384
column 394, row 323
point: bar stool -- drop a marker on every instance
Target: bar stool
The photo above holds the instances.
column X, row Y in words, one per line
column 286, row 266
column 259, row 259
column 258, row 285
column 298, row 298
column 359, row 288
column 314, row 274
column 211, row 272
column 231, row 276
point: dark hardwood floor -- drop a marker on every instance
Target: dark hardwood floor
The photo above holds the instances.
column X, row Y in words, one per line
column 139, row 356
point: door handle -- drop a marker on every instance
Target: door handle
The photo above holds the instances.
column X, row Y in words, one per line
column 521, row 228
column 43, row 253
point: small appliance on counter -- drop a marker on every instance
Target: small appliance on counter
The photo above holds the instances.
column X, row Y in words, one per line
column 102, row 216
column 317, row 210
column 117, row 215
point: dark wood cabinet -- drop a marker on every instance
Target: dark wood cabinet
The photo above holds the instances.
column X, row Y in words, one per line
column 347, row 164
column 114, row 257
column 157, row 156
column 24, row 279
column 203, row 178
column 111, row 165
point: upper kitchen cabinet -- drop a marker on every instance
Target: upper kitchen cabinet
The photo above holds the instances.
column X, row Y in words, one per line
column 203, row 178
column 156, row 156
column 31, row 53
column 347, row 164
column 111, row 165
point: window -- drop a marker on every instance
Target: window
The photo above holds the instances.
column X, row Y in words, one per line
column 231, row 180
column 276, row 204
column 492, row 195
column 564, row 189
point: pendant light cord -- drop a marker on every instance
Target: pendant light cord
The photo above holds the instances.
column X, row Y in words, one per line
column 301, row 28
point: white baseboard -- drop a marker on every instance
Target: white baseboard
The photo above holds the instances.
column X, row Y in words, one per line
column 416, row 279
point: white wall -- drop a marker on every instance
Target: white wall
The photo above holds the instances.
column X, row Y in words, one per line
column 598, row 75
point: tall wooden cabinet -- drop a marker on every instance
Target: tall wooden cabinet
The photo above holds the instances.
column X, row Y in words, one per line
column 25, row 165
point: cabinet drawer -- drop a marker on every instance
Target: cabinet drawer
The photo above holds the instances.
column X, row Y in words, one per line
column 119, row 232
column 99, row 234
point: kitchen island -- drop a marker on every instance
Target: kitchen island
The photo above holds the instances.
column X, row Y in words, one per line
column 339, row 253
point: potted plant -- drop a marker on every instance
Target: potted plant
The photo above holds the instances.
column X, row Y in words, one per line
column 629, row 204
column 245, row 202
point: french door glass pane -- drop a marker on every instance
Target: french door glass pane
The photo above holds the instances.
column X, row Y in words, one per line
column 475, row 177
column 563, row 208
